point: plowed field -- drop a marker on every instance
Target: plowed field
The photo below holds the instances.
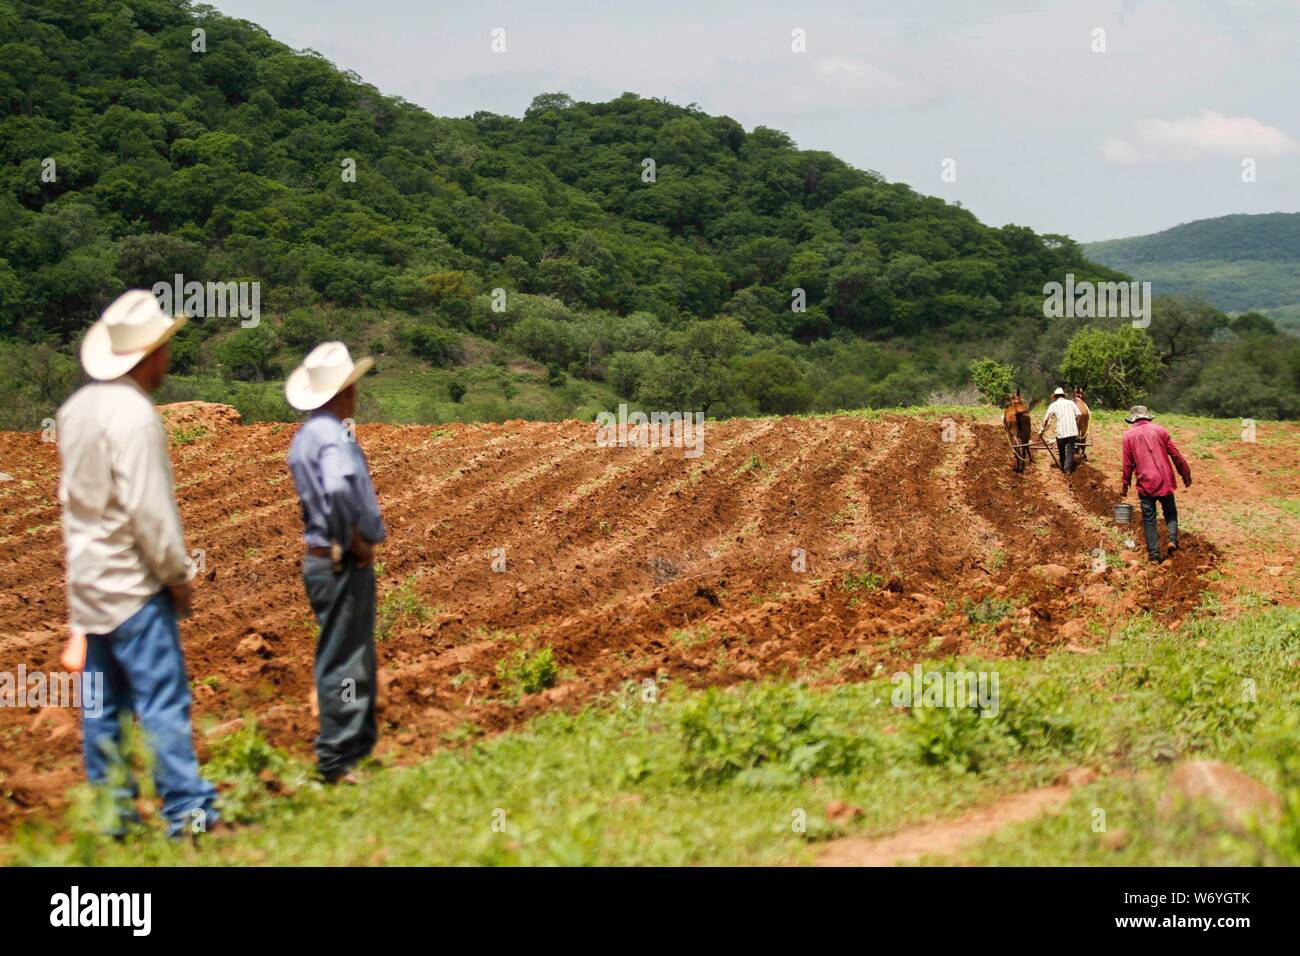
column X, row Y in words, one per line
column 829, row 548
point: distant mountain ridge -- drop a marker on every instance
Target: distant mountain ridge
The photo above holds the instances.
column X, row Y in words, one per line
column 1238, row 263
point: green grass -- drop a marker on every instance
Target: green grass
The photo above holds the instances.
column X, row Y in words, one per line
column 404, row 390
column 188, row 436
column 726, row 776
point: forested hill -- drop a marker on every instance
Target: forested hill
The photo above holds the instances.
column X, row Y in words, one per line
column 228, row 163
column 1238, row 263
column 544, row 266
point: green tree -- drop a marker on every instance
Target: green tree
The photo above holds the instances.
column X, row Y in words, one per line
column 438, row 346
column 249, row 354
column 773, row 382
column 626, row 369
column 1115, row 367
column 994, row 380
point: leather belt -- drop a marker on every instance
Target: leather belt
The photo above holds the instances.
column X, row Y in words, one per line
column 319, row 552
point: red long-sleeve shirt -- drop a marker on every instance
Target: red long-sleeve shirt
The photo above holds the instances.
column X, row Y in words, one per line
column 1147, row 450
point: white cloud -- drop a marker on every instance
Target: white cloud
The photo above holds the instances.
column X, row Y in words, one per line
column 1205, row 136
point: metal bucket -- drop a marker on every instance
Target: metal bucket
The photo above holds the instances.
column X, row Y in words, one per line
column 1123, row 512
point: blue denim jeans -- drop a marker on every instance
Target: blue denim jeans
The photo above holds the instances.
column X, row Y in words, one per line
column 144, row 673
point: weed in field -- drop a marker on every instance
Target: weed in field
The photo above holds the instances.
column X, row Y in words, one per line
column 990, row 610
column 188, row 436
column 690, row 637
column 957, row 737
column 527, row 673
column 866, row 581
column 463, row 733
column 251, row 773
column 775, row 737
column 401, row 605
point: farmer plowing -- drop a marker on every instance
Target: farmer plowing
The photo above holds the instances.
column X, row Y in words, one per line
column 1070, row 418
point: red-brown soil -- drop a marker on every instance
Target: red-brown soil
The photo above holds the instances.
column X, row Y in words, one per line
column 629, row 562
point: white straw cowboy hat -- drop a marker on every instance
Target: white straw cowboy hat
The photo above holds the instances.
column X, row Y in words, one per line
column 1059, row 391
column 326, row 371
column 130, row 328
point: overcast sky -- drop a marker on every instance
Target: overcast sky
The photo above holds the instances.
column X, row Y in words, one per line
column 1044, row 131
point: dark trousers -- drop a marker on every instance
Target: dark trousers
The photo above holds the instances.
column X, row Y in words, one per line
column 1065, row 451
column 344, row 604
column 1170, row 508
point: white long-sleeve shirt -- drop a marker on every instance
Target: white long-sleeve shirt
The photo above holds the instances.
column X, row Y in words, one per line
column 1065, row 412
column 121, row 529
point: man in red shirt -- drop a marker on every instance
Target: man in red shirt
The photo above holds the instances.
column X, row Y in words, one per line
column 1148, row 450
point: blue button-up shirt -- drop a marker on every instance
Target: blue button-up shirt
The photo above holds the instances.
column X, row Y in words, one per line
column 334, row 486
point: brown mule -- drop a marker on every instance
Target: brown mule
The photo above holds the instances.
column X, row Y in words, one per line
column 1081, row 451
column 1015, row 419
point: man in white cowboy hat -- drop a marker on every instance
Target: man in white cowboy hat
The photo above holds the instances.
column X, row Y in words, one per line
column 1148, row 451
column 1065, row 413
column 129, row 572
column 341, row 526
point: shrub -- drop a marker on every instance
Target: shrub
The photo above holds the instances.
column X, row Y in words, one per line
column 958, row 737
column 434, row 344
column 249, row 353
column 546, row 340
column 625, row 370
column 994, row 380
column 304, row 329
column 250, row 771
column 774, row 735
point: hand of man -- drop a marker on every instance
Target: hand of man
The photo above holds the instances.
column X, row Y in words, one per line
column 363, row 552
column 182, row 598
column 1123, row 491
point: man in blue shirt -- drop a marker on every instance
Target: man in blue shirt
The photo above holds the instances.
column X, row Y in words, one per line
column 341, row 526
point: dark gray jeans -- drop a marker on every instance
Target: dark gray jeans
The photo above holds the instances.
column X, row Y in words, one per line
column 1170, row 508
column 344, row 604
column 1065, row 452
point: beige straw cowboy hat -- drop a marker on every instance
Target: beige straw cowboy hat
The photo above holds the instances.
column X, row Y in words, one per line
column 326, row 371
column 130, row 328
